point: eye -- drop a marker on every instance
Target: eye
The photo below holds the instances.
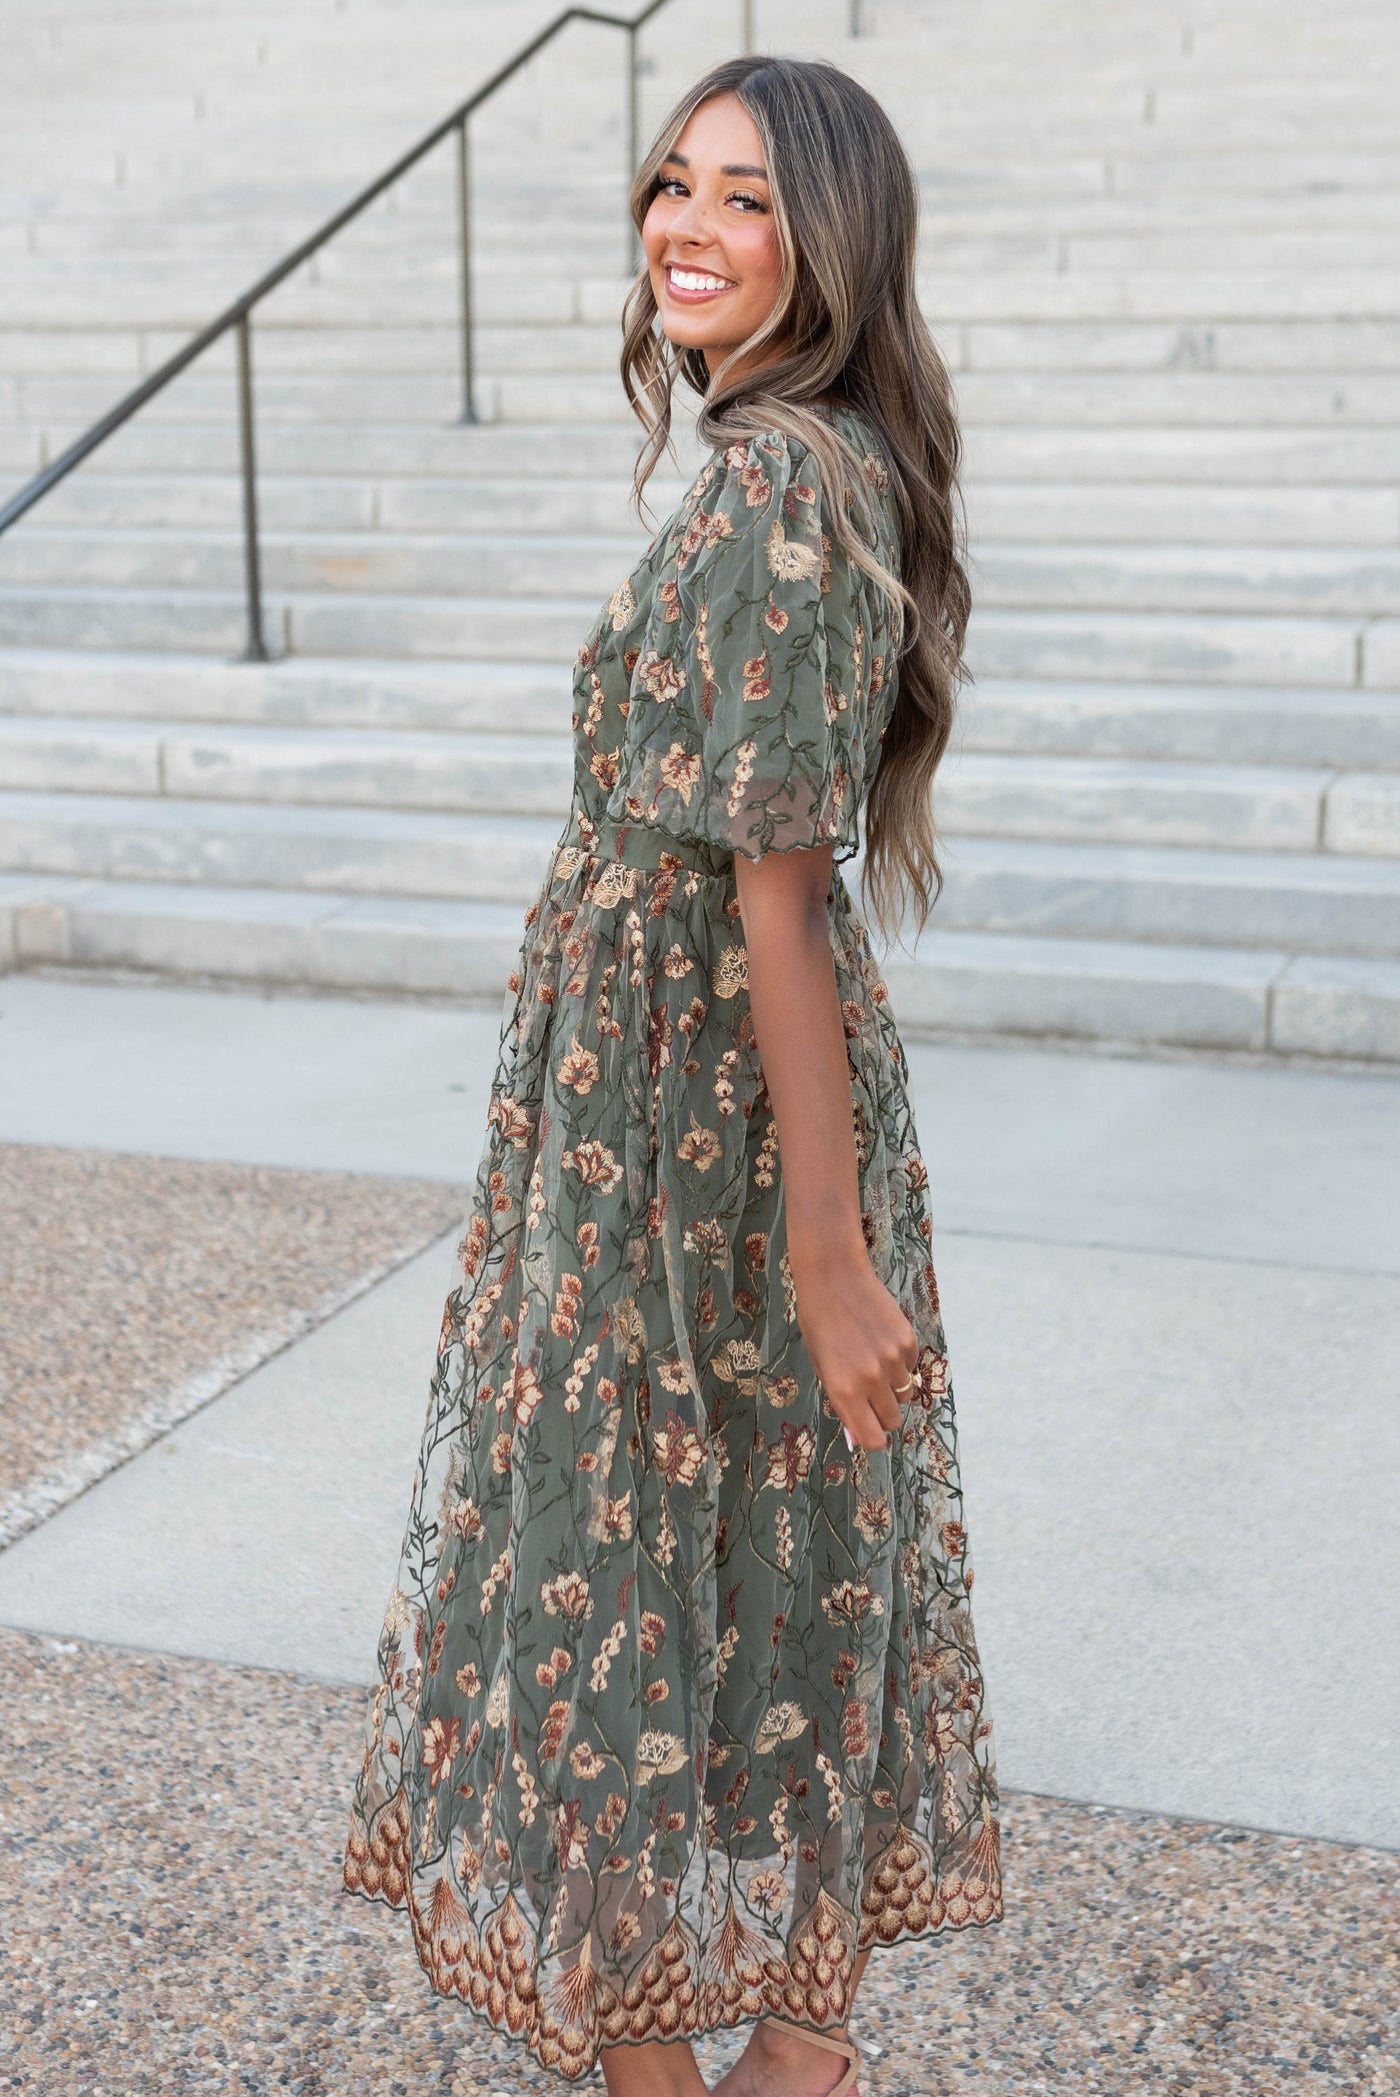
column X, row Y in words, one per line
column 744, row 196
column 669, row 185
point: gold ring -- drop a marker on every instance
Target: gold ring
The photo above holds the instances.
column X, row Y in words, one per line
column 900, row 1388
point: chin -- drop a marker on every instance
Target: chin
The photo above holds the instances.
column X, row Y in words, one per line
column 684, row 335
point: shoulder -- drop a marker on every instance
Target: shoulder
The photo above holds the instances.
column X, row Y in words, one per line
column 763, row 499
column 751, row 499
column 753, row 476
column 778, row 471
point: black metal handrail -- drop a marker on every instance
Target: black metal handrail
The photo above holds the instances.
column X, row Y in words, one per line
column 239, row 314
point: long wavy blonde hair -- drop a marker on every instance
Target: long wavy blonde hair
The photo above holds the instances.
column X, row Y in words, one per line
column 846, row 325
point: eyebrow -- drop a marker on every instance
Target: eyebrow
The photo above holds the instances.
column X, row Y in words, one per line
column 679, row 160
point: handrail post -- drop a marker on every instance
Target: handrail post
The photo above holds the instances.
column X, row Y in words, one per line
column 857, row 18
column 634, row 142
column 464, row 232
column 749, row 31
column 256, row 650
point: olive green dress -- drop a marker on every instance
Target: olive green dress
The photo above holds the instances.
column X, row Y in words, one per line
column 679, row 1702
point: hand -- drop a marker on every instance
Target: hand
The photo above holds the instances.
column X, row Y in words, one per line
column 861, row 1345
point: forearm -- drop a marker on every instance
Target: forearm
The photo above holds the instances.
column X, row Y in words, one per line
column 863, row 1346
column 802, row 1045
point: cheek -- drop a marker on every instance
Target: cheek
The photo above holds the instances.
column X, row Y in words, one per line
column 654, row 229
column 763, row 266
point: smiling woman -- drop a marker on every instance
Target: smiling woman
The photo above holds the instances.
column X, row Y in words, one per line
column 713, row 255
column 680, row 1710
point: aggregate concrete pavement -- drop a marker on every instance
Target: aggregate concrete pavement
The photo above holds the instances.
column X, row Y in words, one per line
column 187, row 1932
column 1172, row 1293
column 1283, row 1164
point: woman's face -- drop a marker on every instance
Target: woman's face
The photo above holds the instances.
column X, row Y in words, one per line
column 710, row 238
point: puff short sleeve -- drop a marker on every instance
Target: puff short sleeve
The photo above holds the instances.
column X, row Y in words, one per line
column 750, row 697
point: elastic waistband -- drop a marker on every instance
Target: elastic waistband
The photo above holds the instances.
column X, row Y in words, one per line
column 642, row 844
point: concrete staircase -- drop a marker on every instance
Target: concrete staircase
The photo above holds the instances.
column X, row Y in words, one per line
column 1161, row 254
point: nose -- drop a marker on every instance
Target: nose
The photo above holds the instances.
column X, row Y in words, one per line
column 689, row 226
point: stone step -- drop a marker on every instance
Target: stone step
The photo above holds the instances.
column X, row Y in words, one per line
column 1154, row 371
column 534, row 697
column 210, row 502
column 1293, row 248
column 1321, row 903
column 108, row 234
column 1100, row 990
column 1266, row 346
column 1196, row 298
column 1283, row 579
column 1092, row 231
column 1245, row 725
column 1362, row 816
column 955, row 981
column 187, row 621
column 1184, row 648
column 22, row 453
column 1187, row 397
column 480, row 772
column 1195, row 514
column 1332, row 729
column 1158, row 454
column 1322, row 102
column 1316, row 902
column 98, row 239
column 1185, row 996
column 1153, row 452
column 171, row 293
column 1323, row 107
column 1053, row 399
column 485, row 564
column 1337, row 1005
column 342, row 624
column 264, row 50
column 1259, row 303
column 1243, row 172
column 449, row 450
column 63, row 368
column 1108, row 645
column 265, row 935
column 121, row 250
column 1059, row 511
column 246, row 845
column 295, row 194
column 396, row 559
column 1195, row 220
column 1126, row 801
column 1272, row 808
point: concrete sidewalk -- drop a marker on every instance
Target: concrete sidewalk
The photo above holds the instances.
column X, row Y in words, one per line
column 1172, row 1292
column 1291, row 1166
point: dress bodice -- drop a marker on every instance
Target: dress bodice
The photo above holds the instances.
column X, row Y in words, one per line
column 734, row 691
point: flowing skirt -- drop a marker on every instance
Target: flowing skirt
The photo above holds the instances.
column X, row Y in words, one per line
column 679, row 1702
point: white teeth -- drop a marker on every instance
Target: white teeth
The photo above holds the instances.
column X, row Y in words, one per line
column 693, row 280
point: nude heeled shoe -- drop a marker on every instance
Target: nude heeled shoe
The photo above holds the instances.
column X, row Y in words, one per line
column 848, row 2050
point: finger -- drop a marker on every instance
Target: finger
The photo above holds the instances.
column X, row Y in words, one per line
column 863, row 1429
column 887, row 1409
column 900, row 1366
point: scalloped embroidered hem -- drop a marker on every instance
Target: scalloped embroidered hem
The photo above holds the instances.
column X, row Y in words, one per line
column 572, row 2052
column 675, row 1991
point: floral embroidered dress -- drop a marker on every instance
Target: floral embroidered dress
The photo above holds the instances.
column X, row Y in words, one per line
column 679, row 1701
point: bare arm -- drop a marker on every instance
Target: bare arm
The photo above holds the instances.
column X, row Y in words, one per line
column 860, row 1341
